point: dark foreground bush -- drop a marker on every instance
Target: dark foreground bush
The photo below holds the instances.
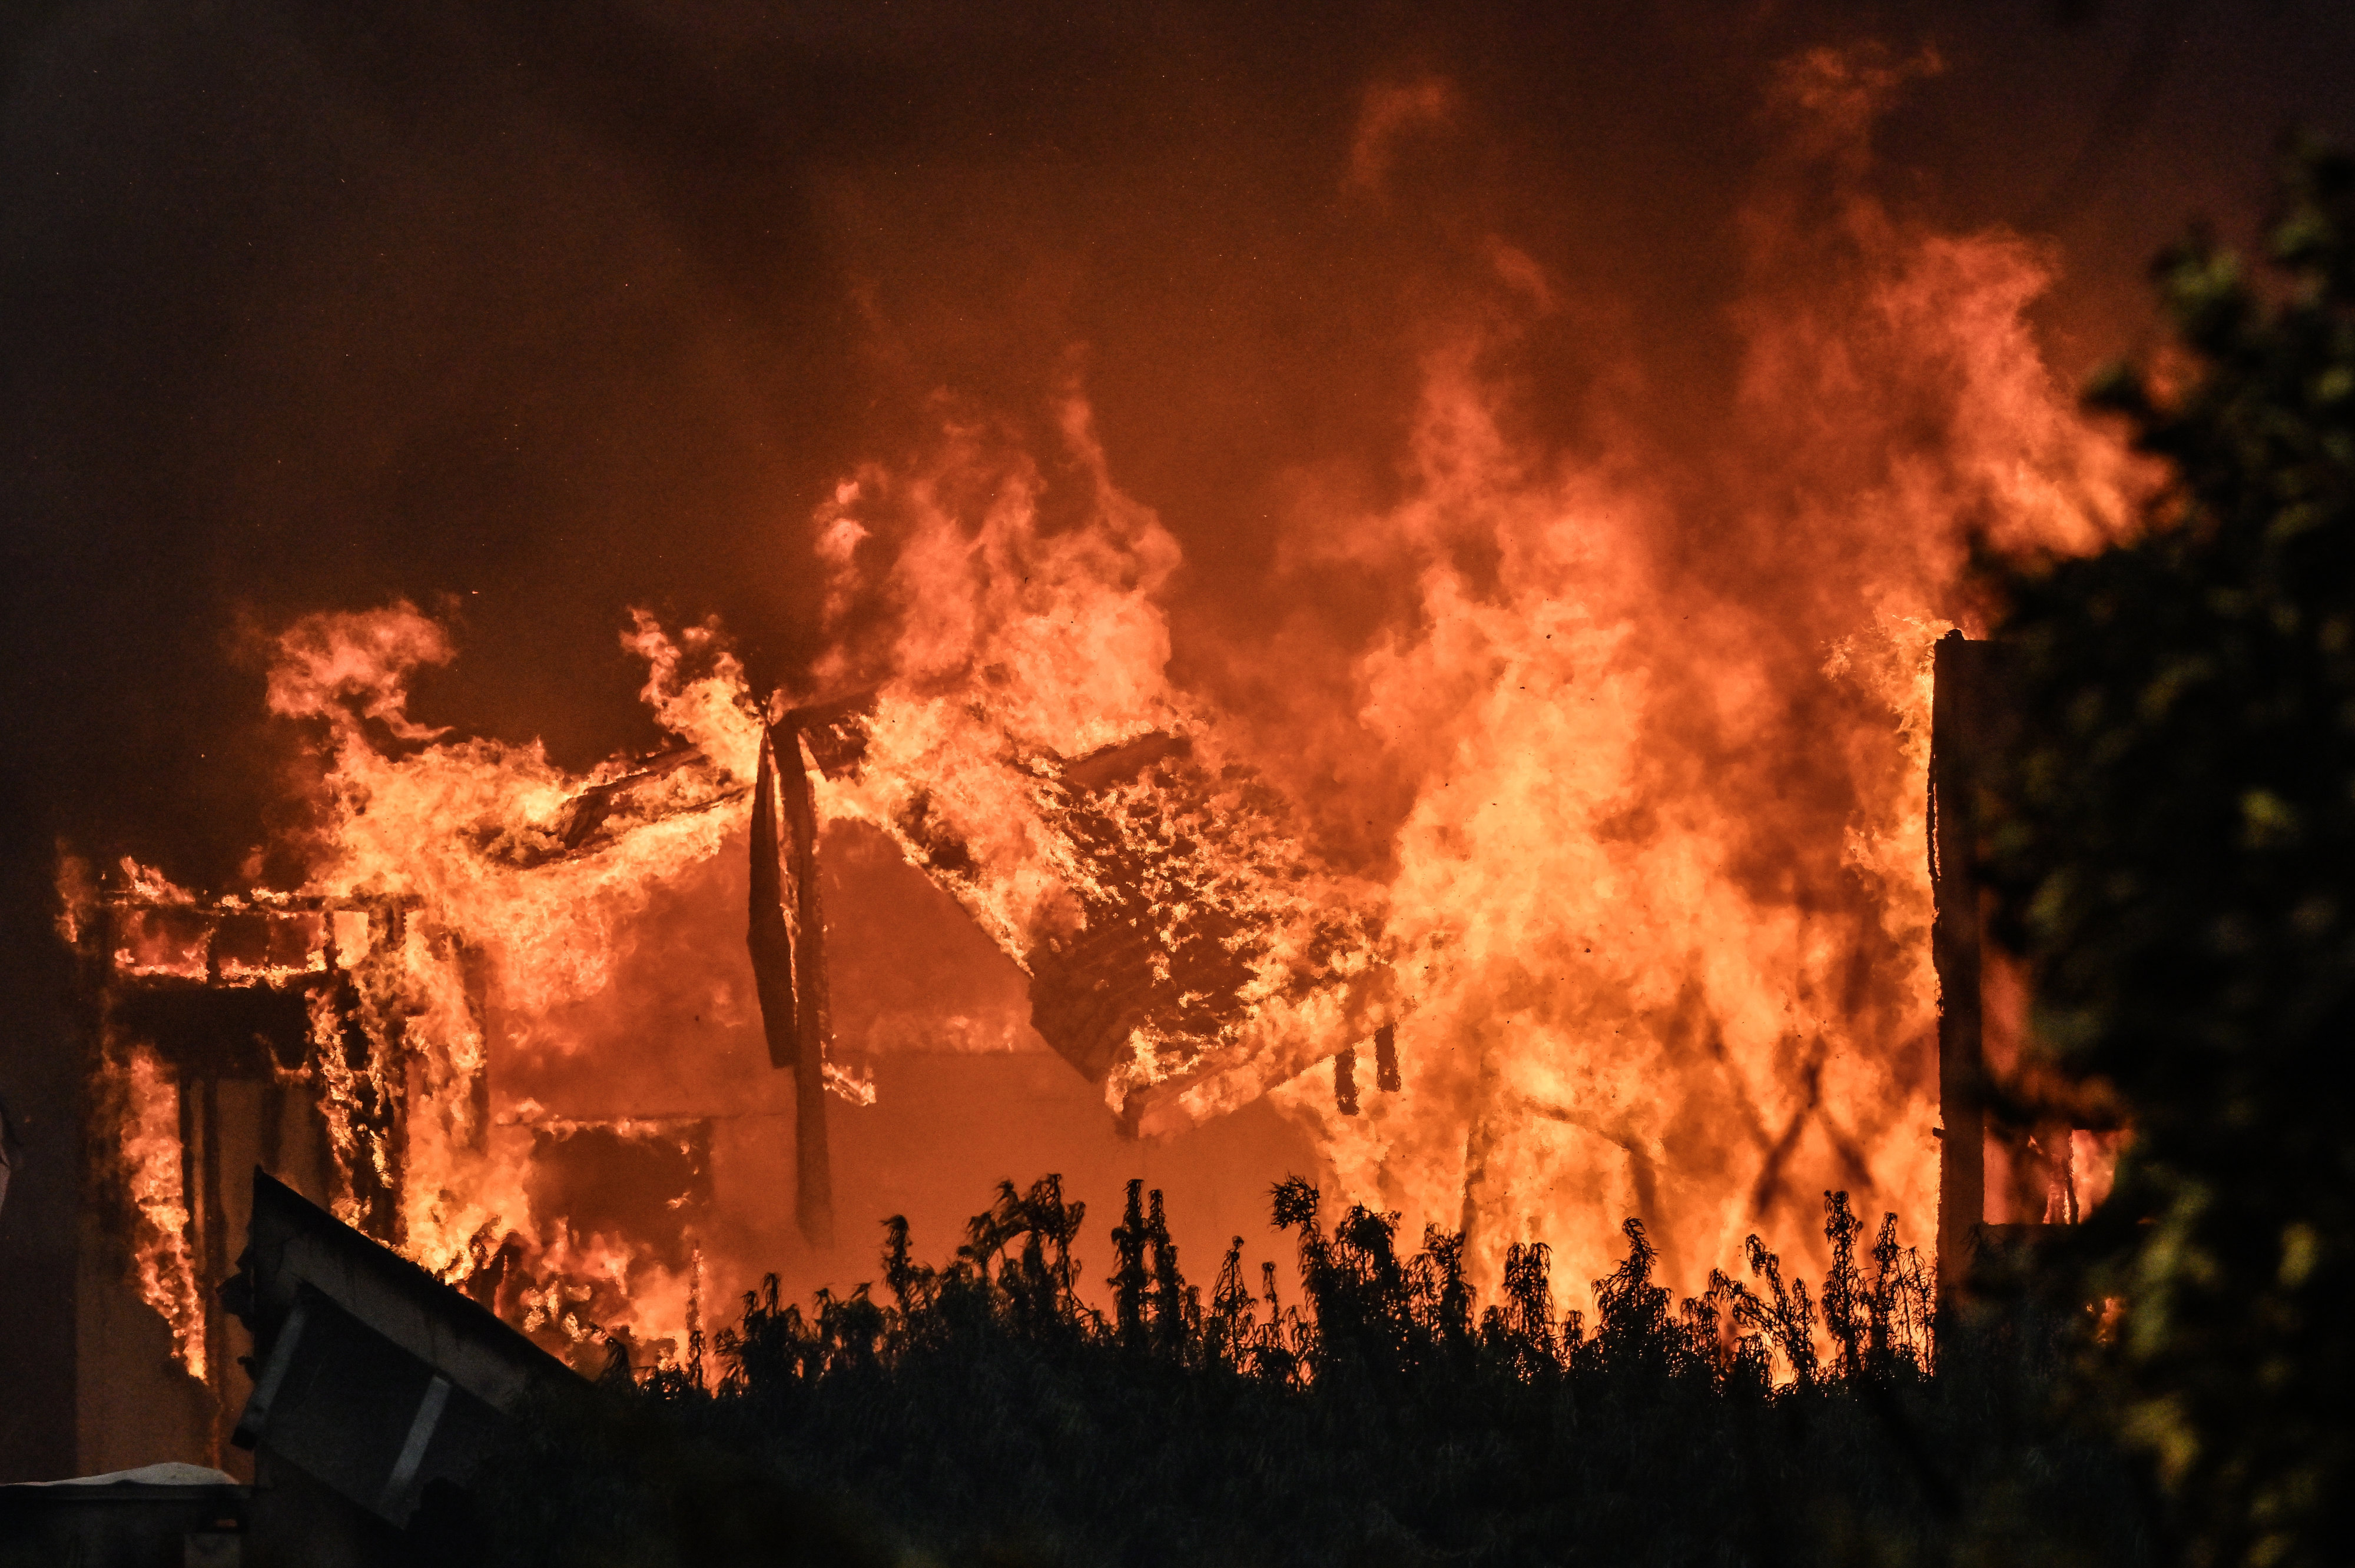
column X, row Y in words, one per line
column 2172, row 852
column 987, row 1414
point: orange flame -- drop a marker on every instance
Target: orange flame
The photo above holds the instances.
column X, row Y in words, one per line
column 512, row 905
column 141, row 1097
column 1617, row 818
column 1657, row 903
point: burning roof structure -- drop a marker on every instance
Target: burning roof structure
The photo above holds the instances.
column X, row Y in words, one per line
column 1180, row 949
column 1175, row 949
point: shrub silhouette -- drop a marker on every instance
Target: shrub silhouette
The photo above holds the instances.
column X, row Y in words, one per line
column 983, row 1411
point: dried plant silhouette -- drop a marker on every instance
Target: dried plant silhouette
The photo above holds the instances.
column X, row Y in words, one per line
column 983, row 1410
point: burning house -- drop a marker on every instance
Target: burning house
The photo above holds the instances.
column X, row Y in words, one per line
column 1506, row 804
column 578, row 1052
column 573, row 1048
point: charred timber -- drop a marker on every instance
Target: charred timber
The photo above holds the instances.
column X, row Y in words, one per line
column 2028, row 1111
column 812, row 1171
column 787, row 931
column 1960, row 723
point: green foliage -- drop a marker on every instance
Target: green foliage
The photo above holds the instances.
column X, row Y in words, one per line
column 987, row 1412
column 2173, row 850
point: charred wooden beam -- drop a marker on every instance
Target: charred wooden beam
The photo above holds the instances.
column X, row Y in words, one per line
column 1970, row 725
column 789, row 962
column 769, row 937
column 812, row 1173
column 1954, row 951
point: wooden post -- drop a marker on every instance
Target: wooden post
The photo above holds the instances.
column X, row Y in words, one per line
column 769, row 934
column 812, row 1170
column 1956, row 736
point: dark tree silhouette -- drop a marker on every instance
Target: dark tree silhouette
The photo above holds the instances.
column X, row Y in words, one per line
column 2173, row 851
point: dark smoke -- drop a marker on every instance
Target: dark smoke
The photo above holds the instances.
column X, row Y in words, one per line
column 535, row 318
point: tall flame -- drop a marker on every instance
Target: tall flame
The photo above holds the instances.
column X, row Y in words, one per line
column 139, row 1099
column 512, row 911
column 1656, row 894
column 1662, row 876
column 1609, row 814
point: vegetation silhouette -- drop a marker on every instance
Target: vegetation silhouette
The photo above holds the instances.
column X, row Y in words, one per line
column 982, row 1411
column 2172, row 849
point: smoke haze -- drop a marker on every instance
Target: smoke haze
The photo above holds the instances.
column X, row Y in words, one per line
column 316, row 307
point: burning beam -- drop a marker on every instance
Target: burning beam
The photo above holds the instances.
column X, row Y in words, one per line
column 813, row 1175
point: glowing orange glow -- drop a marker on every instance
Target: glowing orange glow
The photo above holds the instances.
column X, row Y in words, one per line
column 142, row 1098
column 1621, row 986
column 1612, row 820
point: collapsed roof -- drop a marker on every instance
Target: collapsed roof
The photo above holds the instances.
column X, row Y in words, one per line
column 1183, row 950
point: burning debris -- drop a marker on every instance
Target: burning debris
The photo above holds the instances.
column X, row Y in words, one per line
column 1181, row 950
